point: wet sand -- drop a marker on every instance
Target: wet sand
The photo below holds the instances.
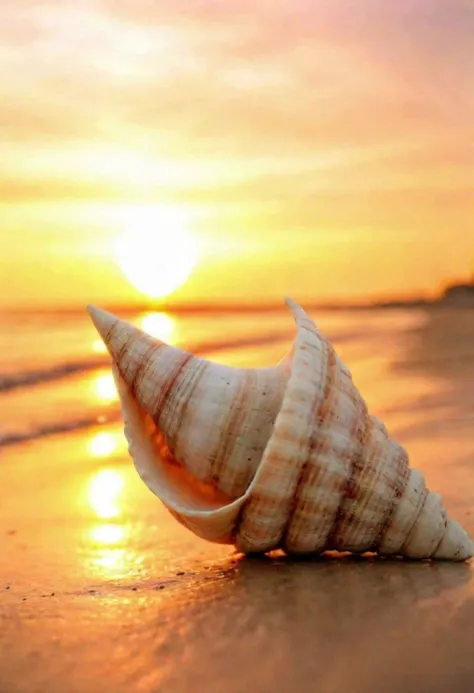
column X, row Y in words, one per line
column 131, row 602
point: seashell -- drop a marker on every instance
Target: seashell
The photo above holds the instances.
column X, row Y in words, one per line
column 284, row 457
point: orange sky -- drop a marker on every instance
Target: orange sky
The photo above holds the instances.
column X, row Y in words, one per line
column 319, row 149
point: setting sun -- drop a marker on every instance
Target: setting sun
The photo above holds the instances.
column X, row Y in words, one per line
column 156, row 252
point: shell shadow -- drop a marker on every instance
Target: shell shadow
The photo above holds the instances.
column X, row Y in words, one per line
column 358, row 582
column 274, row 623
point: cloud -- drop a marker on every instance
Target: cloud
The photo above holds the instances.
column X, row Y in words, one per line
column 315, row 96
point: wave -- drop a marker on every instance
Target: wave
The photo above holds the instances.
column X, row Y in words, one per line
column 15, row 438
column 30, row 379
column 24, row 379
column 37, row 377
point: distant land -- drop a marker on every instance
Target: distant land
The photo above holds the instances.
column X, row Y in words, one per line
column 457, row 295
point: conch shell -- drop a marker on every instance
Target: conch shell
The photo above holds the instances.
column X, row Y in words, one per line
column 285, row 457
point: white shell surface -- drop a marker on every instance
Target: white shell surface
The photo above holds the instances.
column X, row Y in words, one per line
column 286, row 457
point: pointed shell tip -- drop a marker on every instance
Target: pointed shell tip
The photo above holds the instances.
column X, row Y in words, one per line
column 102, row 320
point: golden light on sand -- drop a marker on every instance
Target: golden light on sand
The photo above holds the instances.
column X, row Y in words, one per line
column 105, row 387
column 159, row 325
column 111, row 560
column 104, row 493
column 157, row 252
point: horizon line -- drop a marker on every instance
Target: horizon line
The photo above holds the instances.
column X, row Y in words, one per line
column 228, row 306
column 237, row 306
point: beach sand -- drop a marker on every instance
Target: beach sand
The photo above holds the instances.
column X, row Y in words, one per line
column 101, row 591
column 141, row 605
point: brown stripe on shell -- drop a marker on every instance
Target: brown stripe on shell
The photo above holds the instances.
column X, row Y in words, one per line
column 179, row 407
column 446, row 522
column 402, row 476
column 333, row 541
column 107, row 337
column 329, row 470
column 265, row 515
column 119, row 356
column 410, row 504
column 226, row 444
column 167, row 385
column 142, row 367
column 380, row 474
column 409, row 534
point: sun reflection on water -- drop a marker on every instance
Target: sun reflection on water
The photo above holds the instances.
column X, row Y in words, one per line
column 105, row 387
column 99, row 347
column 102, row 444
column 159, row 325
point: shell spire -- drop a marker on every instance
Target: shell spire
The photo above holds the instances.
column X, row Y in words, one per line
column 193, row 401
column 284, row 457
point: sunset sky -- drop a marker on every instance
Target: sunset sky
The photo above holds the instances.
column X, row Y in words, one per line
column 321, row 149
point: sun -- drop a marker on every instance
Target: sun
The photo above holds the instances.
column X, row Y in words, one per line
column 156, row 252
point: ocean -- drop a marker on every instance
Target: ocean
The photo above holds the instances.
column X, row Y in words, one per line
column 413, row 366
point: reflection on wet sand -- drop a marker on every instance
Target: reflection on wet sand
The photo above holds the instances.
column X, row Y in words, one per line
column 111, row 555
column 382, row 579
column 107, row 534
column 108, row 554
column 285, row 625
column 104, row 493
column 174, row 613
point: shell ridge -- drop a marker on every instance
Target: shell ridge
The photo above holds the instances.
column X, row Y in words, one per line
column 405, row 515
column 167, row 386
column 416, row 544
column 293, row 538
column 143, row 367
column 183, row 401
column 396, row 499
column 335, row 454
column 332, row 541
column 272, row 488
column 434, row 551
column 380, row 476
column 320, row 415
column 234, row 419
